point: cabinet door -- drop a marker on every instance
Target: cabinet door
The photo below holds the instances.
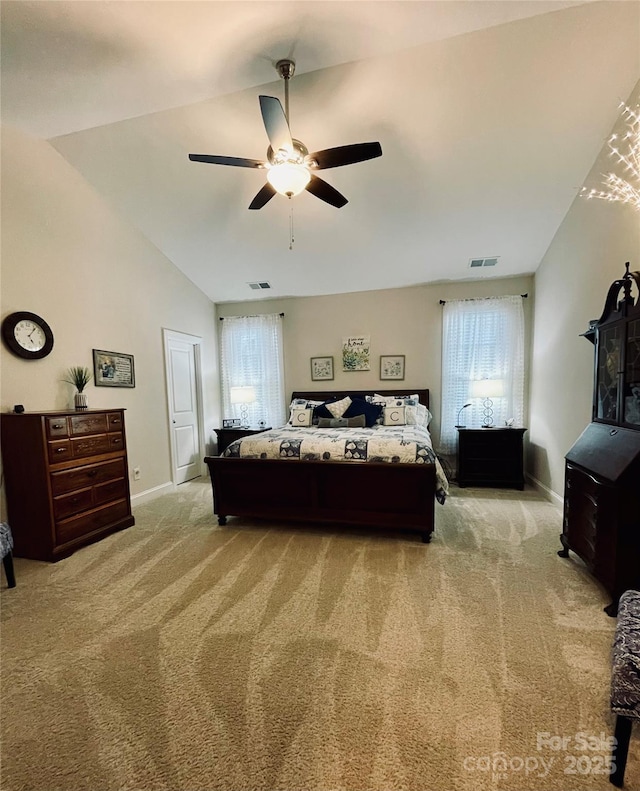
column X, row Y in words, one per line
column 631, row 395
column 608, row 372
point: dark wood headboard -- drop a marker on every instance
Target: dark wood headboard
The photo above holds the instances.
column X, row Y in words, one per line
column 325, row 395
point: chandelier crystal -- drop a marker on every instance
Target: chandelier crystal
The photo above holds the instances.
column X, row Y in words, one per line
column 625, row 149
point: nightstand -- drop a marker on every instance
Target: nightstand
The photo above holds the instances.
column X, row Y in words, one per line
column 491, row 457
column 227, row 435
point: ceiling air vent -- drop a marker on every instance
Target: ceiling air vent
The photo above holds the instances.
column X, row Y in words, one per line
column 259, row 285
column 476, row 263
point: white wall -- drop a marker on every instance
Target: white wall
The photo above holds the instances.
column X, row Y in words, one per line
column 100, row 285
column 400, row 321
column 587, row 254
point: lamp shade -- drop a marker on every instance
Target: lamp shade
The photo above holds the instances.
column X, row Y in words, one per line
column 242, row 395
column 487, row 388
column 288, row 178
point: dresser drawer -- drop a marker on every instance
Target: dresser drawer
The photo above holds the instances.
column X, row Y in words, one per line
column 589, row 507
column 59, row 450
column 116, row 441
column 57, row 427
column 73, row 503
column 114, row 421
column 107, row 492
column 88, row 424
column 79, row 526
column 90, row 475
column 90, row 446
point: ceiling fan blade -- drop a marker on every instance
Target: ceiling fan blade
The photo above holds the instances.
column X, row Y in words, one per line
column 238, row 162
column 325, row 192
column 264, row 196
column 345, row 155
column 276, row 124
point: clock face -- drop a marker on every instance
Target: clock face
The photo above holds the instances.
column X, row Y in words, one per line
column 27, row 335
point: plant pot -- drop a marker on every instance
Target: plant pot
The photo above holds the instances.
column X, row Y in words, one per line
column 81, row 401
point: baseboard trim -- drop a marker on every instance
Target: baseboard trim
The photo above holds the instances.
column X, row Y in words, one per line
column 549, row 493
column 151, row 494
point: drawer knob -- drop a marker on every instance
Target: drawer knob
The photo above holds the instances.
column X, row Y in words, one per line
column 116, row 441
column 58, row 425
column 60, row 450
column 92, row 473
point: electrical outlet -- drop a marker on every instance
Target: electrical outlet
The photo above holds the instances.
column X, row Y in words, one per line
column 136, row 473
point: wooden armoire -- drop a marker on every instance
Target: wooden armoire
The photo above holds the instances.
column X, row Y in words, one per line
column 602, row 474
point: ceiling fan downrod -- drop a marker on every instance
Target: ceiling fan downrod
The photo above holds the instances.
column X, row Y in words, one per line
column 286, row 69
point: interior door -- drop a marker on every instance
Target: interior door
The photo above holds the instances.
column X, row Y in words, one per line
column 183, row 407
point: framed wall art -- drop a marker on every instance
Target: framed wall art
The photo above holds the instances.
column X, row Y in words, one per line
column 113, row 369
column 392, row 366
column 321, row 368
column 356, row 353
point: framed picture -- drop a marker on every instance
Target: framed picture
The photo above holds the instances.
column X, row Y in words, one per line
column 231, row 422
column 321, row 368
column 392, row 366
column 355, row 353
column 113, row 369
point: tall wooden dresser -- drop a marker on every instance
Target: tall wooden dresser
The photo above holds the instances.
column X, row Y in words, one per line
column 602, row 474
column 66, row 477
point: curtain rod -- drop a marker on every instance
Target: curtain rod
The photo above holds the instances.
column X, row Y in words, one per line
column 470, row 299
column 254, row 316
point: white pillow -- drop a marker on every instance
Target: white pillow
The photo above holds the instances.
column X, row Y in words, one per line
column 418, row 415
column 338, row 408
column 301, row 416
column 394, row 416
column 391, row 399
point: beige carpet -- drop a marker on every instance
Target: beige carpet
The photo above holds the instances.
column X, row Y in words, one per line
column 181, row 656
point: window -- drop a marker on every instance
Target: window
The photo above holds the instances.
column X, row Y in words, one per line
column 251, row 356
column 481, row 339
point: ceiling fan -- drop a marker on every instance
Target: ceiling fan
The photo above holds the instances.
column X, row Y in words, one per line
column 289, row 165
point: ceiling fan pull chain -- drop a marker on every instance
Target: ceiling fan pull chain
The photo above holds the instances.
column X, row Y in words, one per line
column 291, row 237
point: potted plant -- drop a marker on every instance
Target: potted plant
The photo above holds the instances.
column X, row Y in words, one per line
column 79, row 376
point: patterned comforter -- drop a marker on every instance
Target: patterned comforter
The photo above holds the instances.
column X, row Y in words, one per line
column 392, row 444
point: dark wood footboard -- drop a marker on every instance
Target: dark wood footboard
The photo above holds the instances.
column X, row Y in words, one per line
column 391, row 496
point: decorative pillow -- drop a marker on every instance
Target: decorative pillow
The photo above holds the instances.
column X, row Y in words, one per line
column 321, row 409
column 411, row 400
column 301, row 416
column 416, row 414
column 394, row 416
column 342, row 422
column 338, row 408
column 303, row 403
column 359, row 406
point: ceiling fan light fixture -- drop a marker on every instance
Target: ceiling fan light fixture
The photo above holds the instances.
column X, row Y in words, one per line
column 288, row 178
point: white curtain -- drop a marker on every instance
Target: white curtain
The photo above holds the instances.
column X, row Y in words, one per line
column 481, row 339
column 251, row 356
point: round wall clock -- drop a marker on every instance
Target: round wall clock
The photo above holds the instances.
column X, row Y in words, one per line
column 27, row 335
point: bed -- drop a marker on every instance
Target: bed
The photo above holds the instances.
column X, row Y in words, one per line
column 299, row 481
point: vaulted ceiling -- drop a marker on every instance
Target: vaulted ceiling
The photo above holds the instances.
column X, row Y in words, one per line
column 490, row 116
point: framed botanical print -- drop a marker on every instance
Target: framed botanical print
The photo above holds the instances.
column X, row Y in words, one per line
column 356, row 353
column 321, row 368
column 392, row 366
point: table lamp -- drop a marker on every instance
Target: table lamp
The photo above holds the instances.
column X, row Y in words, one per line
column 459, row 424
column 487, row 389
column 243, row 396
